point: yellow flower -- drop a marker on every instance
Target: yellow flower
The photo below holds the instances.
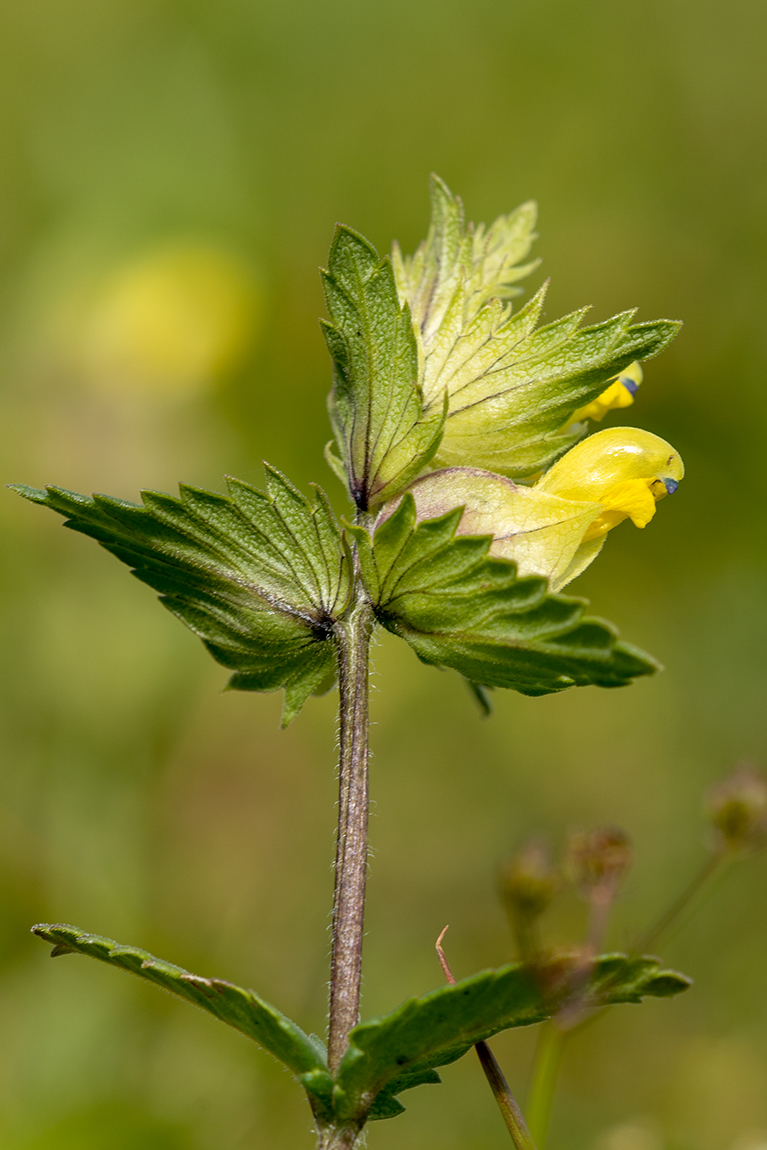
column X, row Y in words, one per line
column 619, row 393
column 558, row 526
column 624, row 469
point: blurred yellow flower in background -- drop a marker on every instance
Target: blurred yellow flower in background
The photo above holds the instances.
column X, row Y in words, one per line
column 171, row 320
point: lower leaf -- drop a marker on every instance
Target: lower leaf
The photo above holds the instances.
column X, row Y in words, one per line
column 459, row 607
column 241, row 1009
column 406, row 1046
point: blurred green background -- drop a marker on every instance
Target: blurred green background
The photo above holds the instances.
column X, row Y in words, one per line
column 170, row 173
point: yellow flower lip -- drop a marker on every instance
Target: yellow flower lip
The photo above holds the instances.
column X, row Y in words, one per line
column 625, row 469
column 595, row 466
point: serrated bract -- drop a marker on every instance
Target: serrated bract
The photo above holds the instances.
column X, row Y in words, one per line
column 511, row 387
column 459, row 606
column 376, row 410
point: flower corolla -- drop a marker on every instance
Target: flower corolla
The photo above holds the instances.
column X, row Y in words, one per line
column 557, row 526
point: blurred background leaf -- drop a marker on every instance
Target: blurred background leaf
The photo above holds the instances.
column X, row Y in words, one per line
column 177, row 167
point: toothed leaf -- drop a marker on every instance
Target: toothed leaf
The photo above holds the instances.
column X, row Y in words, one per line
column 513, row 393
column 438, row 1028
column 241, row 1009
column 486, row 261
column 511, row 387
column 387, row 1105
column 461, row 608
column 258, row 576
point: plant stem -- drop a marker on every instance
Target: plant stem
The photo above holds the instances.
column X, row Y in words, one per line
column 672, row 918
column 548, row 1056
column 331, row 1138
column 512, row 1115
column 353, row 640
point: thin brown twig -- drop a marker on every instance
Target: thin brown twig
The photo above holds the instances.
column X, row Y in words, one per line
column 442, row 960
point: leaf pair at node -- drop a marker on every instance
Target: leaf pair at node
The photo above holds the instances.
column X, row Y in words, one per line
column 401, row 1050
column 263, row 577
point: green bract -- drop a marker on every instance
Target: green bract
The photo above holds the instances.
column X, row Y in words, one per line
column 376, row 405
column 459, row 607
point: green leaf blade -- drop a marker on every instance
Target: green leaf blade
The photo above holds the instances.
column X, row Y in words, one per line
column 462, row 609
column 511, row 388
column 439, row 1027
column 241, row 1009
column 260, row 577
column 375, row 405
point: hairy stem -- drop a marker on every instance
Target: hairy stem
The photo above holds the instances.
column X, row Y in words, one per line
column 353, row 639
column 332, row 1138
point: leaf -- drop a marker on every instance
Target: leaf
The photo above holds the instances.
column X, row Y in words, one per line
column 260, row 577
column 438, row 1028
column 376, row 404
column 512, row 388
column 460, row 608
column 242, row 1009
column 386, row 1105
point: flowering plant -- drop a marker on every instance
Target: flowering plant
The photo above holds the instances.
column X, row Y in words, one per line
column 461, row 434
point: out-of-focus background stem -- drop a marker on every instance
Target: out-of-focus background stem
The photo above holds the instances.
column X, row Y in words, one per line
column 546, row 1065
column 170, row 173
column 554, row 1036
column 671, row 920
